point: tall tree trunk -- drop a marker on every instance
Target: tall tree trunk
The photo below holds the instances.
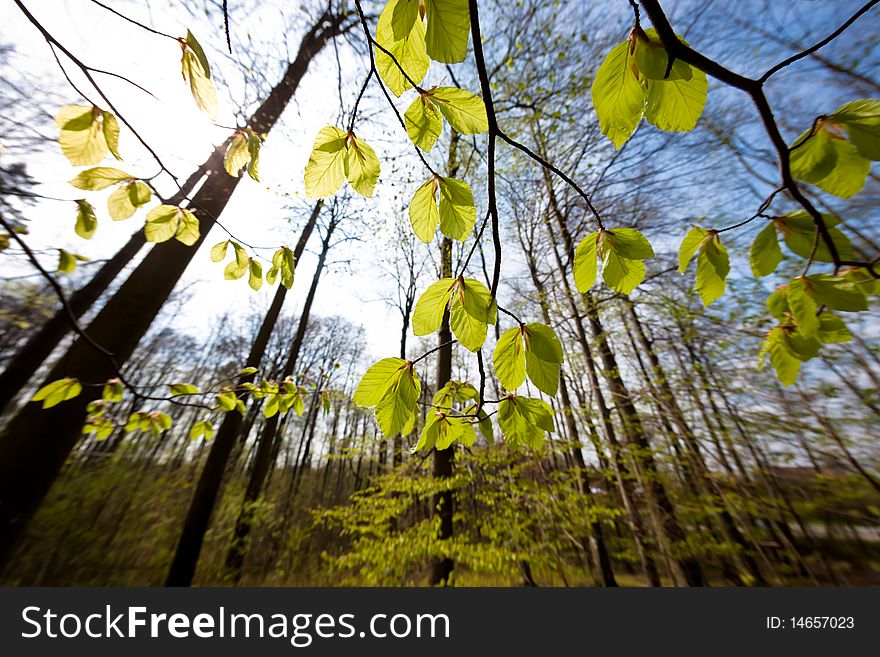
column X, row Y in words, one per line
column 262, row 461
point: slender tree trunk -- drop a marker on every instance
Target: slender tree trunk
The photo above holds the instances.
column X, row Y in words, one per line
column 236, row 554
column 441, row 570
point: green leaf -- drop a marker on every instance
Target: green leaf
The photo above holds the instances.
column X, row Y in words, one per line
column 470, row 312
column 543, row 357
column 125, row 200
column 255, row 276
column 621, row 274
column 765, row 254
column 832, row 328
column 676, row 105
column 376, row 381
column 812, row 156
column 86, row 220
column 226, row 401
column 167, row 221
column 405, row 40
column 66, row 262
column 58, row 391
column 178, row 389
column 509, row 359
column 218, row 251
column 713, row 265
column 689, row 246
column 585, row 268
column 428, row 313
column 197, row 75
column 423, row 121
column 861, row 120
column 465, row 111
column 836, row 292
column 777, row 304
column 618, row 96
column 110, row 128
column 237, row 155
column 82, row 137
column 628, row 243
column 849, row 174
column 361, row 166
column 325, row 171
column 798, row 230
column 424, row 214
column 399, row 401
column 284, row 261
column 786, row 364
column 99, row 178
column 523, row 421
column 254, row 145
column 803, row 308
column 652, row 60
column 448, row 30
column 458, row 214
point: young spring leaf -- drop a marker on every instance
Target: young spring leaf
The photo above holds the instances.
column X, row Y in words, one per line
column 509, row 359
column 471, row 310
column 428, row 313
column 652, row 60
column 543, row 357
column 676, row 105
column 56, row 392
column 448, row 29
column 623, row 252
column 524, row 421
column 798, row 230
column 361, row 165
column 585, row 267
column 86, row 220
column 423, row 121
column 802, row 308
column 99, row 178
column 765, row 254
column 824, row 157
column 836, row 292
column 783, row 359
column 255, row 274
column 446, row 201
column 66, row 262
column 197, row 75
column 713, row 263
column 376, row 381
column 618, row 96
column 167, row 221
column 325, row 172
column 465, row 111
column 82, row 138
column 861, row 120
column 401, row 31
column 398, row 404
column 126, row 199
column 237, row 155
column 283, row 261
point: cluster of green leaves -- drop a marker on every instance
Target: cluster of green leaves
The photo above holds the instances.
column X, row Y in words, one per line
column 336, row 156
column 283, row 264
column 531, row 349
column 153, row 421
column 88, row 134
column 165, row 222
column 446, row 202
column 281, row 397
column 197, row 75
column 68, row 261
column 471, row 310
column 58, row 391
column 803, row 308
column 393, row 388
column 452, row 417
column 836, row 153
column 633, row 82
column 423, row 119
column 798, row 231
column 622, row 252
column 243, row 151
